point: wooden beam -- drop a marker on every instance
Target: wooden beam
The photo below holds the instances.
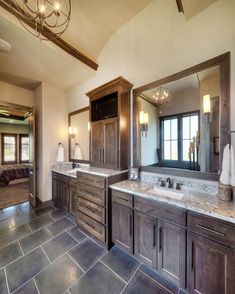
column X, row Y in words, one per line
column 10, row 6
column 180, row 5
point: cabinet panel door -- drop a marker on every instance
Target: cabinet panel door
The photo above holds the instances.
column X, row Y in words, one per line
column 55, row 190
column 73, row 200
column 122, row 227
column 211, row 267
column 110, row 149
column 145, row 238
column 172, row 252
column 96, row 143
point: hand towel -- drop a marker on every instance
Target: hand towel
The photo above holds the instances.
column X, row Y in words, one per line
column 226, row 166
column 78, row 152
column 60, row 153
column 232, row 167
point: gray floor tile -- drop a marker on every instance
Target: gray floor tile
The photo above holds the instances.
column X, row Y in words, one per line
column 59, row 226
column 121, row 263
column 159, row 279
column 59, row 245
column 34, row 240
column 3, row 284
column 25, row 208
column 13, row 234
column 28, row 288
column 5, row 224
column 44, row 210
column 72, row 218
column 58, row 277
column 23, row 269
column 9, row 253
column 77, row 234
column 141, row 283
column 8, row 212
column 59, row 213
column 40, row 222
column 87, row 254
column 22, row 219
column 99, row 280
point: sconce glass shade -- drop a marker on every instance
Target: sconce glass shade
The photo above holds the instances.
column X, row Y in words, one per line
column 144, row 118
column 206, row 104
column 72, row 131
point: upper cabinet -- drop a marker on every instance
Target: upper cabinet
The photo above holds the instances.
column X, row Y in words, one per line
column 110, row 125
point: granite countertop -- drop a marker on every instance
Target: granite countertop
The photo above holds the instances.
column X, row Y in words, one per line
column 202, row 203
column 65, row 170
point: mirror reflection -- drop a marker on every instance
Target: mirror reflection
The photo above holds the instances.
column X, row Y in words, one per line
column 179, row 123
column 79, row 135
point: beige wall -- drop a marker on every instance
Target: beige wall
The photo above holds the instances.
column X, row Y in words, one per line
column 51, row 112
column 17, row 95
column 159, row 42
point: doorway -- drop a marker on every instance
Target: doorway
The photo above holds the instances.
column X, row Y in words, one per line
column 17, row 168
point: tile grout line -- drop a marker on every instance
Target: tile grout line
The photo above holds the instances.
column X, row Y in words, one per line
column 113, row 272
column 45, row 254
column 130, row 279
column 21, row 248
column 36, row 285
column 156, row 282
column 74, row 237
column 4, row 269
column 75, row 261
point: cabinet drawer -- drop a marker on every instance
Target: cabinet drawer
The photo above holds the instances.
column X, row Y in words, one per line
column 212, row 228
column 163, row 211
column 93, row 194
column 93, row 210
column 122, row 198
column 91, row 180
column 91, row 226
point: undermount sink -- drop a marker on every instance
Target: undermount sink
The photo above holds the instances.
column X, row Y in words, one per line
column 166, row 193
column 71, row 172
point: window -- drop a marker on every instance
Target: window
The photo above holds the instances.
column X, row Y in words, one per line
column 24, row 148
column 176, row 134
column 9, row 148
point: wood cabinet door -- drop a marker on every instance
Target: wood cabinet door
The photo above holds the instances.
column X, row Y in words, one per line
column 73, row 200
column 54, row 190
column 211, row 267
column 172, row 252
column 63, row 198
column 145, row 239
column 122, row 227
column 110, row 148
column 96, row 143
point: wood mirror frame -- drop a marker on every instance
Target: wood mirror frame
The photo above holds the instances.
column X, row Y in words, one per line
column 69, row 122
column 223, row 61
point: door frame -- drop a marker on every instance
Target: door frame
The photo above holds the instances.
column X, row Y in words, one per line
column 9, row 105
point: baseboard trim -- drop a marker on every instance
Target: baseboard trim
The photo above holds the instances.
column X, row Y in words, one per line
column 43, row 204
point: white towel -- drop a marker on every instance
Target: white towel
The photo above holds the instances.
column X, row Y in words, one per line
column 60, row 153
column 77, row 152
column 226, row 166
column 232, row 167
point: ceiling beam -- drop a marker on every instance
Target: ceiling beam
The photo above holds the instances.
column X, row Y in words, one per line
column 180, row 6
column 10, row 6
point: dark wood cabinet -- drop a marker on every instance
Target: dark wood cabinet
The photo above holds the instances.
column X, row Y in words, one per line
column 110, row 124
column 172, row 252
column 211, row 266
column 145, row 239
column 122, row 227
column 104, row 143
column 73, row 199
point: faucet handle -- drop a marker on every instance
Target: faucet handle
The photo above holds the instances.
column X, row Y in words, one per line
column 178, row 186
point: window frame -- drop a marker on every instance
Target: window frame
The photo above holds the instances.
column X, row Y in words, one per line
column 2, row 147
column 180, row 163
column 20, row 147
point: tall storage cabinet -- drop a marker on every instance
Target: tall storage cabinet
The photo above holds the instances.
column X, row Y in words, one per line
column 110, row 125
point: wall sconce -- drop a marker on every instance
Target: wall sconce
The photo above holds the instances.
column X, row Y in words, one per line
column 89, row 126
column 72, row 132
column 207, row 109
column 144, row 121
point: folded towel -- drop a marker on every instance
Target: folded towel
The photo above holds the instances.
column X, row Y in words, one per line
column 226, row 166
column 60, row 153
column 232, row 167
column 77, row 152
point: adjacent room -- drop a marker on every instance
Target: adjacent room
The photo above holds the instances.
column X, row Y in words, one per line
column 117, row 138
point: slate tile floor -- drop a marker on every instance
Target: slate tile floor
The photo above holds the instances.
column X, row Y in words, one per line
column 43, row 252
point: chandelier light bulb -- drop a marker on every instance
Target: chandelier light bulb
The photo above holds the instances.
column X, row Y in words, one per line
column 57, row 6
column 42, row 9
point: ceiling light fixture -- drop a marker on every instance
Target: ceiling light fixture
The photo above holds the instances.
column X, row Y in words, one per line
column 161, row 97
column 48, row 17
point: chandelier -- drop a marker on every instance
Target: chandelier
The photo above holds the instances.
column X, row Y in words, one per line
column 161, row 96
column 44, row 19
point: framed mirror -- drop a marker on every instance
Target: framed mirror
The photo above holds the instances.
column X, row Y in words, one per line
column 182, row 122
column 79, row 144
